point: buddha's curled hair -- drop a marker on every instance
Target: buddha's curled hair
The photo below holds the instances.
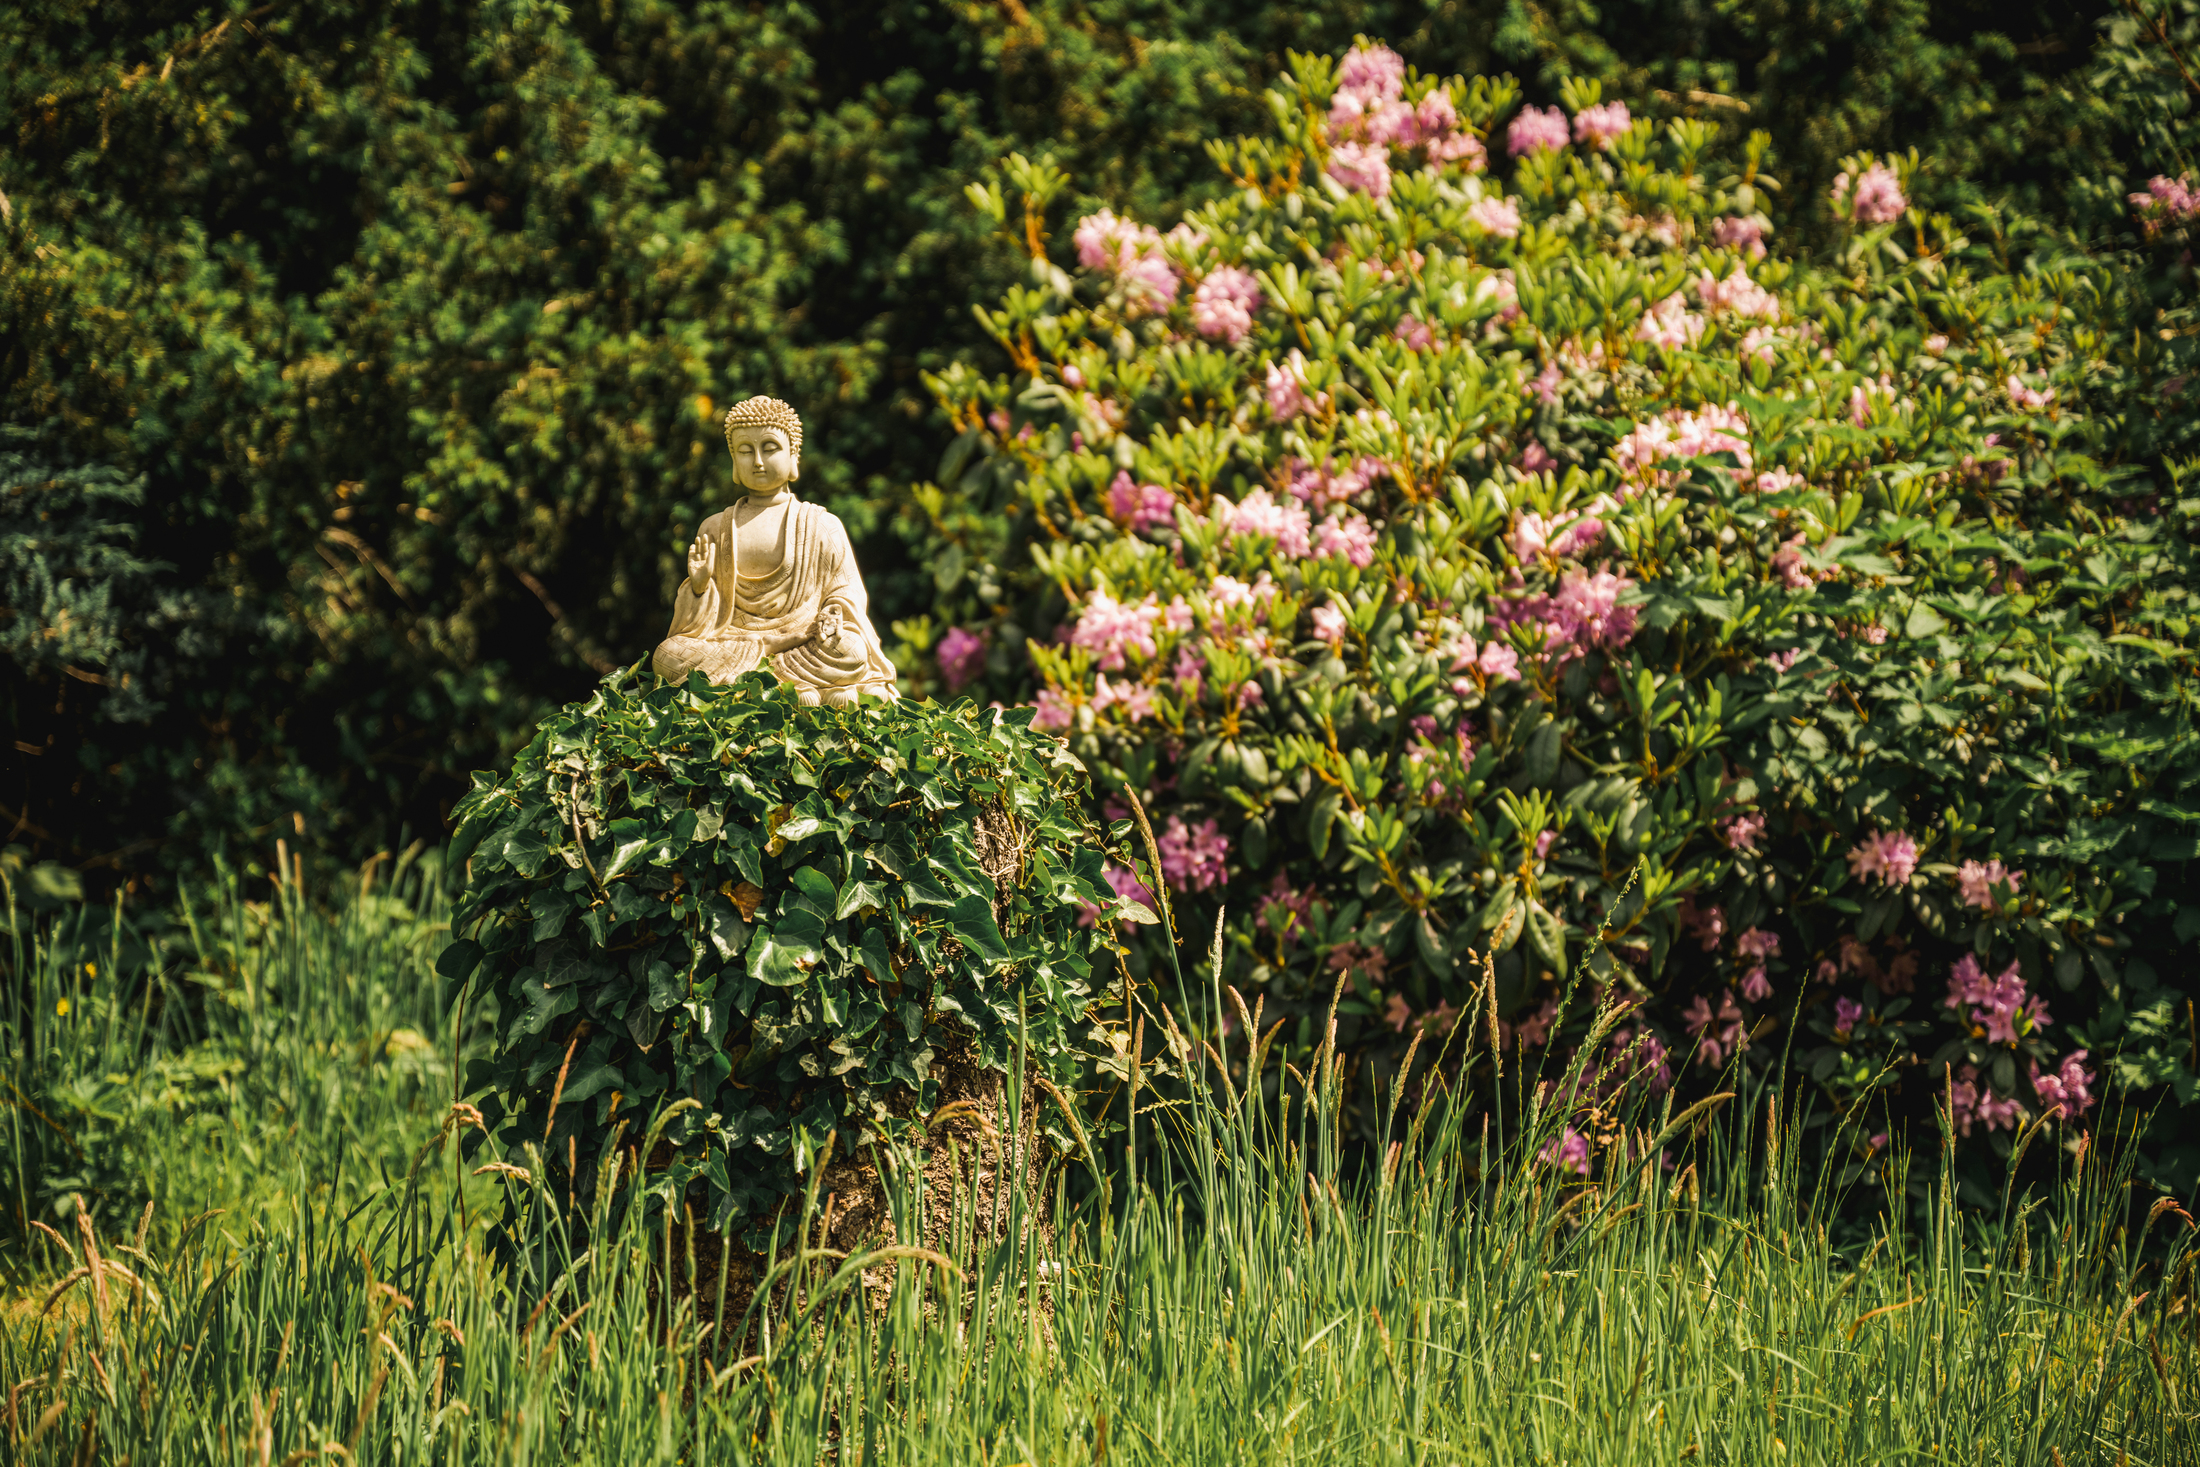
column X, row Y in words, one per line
column 765, row 412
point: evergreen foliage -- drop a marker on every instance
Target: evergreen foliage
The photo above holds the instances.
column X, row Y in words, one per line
column 779, row 912
column 411, row 315
column 1470, row 557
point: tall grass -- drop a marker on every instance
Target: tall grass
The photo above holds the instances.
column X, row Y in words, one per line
column 1252, row 1301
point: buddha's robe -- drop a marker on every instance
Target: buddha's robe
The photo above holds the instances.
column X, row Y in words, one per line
column 768, row 615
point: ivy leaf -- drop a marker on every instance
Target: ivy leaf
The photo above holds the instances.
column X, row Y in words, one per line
column 972, row 922
column 629, row 838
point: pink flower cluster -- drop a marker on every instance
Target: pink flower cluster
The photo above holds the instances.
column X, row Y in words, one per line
column 1322, row 487
column 1537, row 130
column 2166, row 201
column 1289, row 525
column 1973, row 1102
column 1708, row 924
column 2000, row 1004
column 1287, row 393
column 1889, row 856
column 1683, row 435
column 2069, row 1085
column 1369, row 116
column 1568, row 1151
column 2028, row 398
column 1534, row 536
column 1349, row 535
column 1742, row 832
column 1718, row 1033
column 1670, row 324
column 1584, row 613
column 1141, row 507
column 1223, row 304
column 1976, row 880
column 1055, row 711
column 1873, row 197
column 1497, row 216
column 1600, row 124
column 1740, row 233
column 1787, row 564
column 1111, row 628
column 1283, row 911
column 962, row 657
column 1737, row 294
column 1847, row 1014
column 1132, row 254
column 1135, row 699
column 1192, row 857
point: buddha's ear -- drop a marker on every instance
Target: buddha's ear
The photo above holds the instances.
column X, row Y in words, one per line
column 796, row 476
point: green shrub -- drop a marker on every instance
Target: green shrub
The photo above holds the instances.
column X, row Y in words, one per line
column 1463, row 558
column 778, row 912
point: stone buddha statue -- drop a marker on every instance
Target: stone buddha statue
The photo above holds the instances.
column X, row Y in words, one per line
column 772, row 581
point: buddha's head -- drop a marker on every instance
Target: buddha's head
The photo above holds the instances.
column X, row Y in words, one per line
column 765, row 437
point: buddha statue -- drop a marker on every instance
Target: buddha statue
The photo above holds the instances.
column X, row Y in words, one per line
column 772, row 581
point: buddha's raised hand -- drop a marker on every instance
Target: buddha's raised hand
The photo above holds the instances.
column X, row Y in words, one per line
column 702, row 564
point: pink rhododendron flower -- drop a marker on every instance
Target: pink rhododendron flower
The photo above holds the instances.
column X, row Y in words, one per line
column 2029, row 398
column 1371, row 72
column 1600, row 124
column 1705, row 923
column 2166, row 201
column 1875, row 634
column 1415, row 333
column 1741, row 833
column 1586, row 611
column 1192, row 856
column 1976, row 880
column 962, row 657
column 1875, row 197
column 1717, row 1033
column 1223, row 304
column 1744, row 234
column 1568, row 1151
column 1712, row 429
column 1737, row 294
column 1132, row 254
column 1756, row 987
column 2001, row 1003
column 1778, row 481
column 1758, row 943
column 1499, row 662
column 1397, row 1011
column 1348, row 535
column 1125, row 883
column 1140, row 507
column 1499, row 288
column 1972, row 1102
column 1891, row 857
column 1787, row 564
column 1847, row 1014
column 1287, row 394
column 1260, row 515
column 1936, row 344
column 1544, row 840
column 1537, row 130
column 1670, row 324
column 1248, row 694
column 1135, row 699
column 1544, row 385
column 1500, row 217
column 1534, row 458
column 1055, row 712
column 1188, row 673
column 1111, row 629
column 1782, row 661
column 1328, row 624
column 2069, row 1085
column 1361, row 167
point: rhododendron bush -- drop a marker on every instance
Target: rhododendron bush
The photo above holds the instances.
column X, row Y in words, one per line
column 1474, row 531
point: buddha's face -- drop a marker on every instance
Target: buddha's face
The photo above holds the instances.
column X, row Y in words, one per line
column 763, row 459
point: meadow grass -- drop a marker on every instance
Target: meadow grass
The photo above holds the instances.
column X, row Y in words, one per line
column 286, row 1260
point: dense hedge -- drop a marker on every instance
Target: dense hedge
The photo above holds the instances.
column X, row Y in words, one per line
column 409, row 316
column 1479, row 528
column 782, row 913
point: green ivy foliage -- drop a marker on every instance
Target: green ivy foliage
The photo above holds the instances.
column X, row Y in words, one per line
column 411, row 315
column 1466, row 555
column 779, row 912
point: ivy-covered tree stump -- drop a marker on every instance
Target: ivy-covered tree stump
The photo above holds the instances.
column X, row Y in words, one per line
column 811, row 922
